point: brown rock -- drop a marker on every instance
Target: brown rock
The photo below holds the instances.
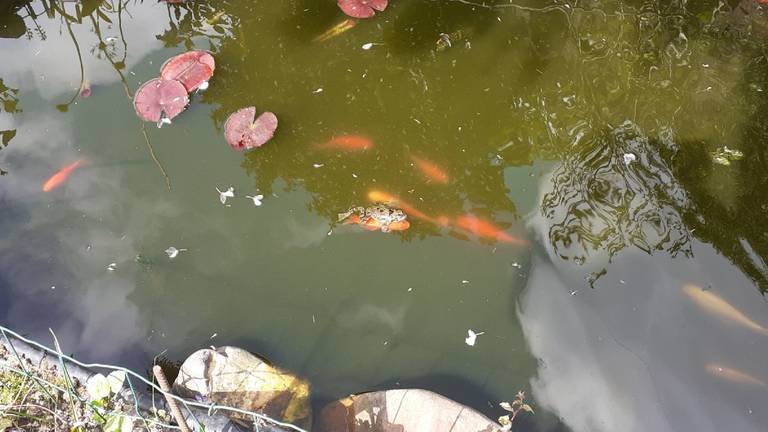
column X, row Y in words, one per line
column 410, row 410
column 236, row 378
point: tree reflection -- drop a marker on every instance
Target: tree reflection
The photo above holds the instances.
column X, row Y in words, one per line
column 582, row 84
column 600, row 203
column 9, row 100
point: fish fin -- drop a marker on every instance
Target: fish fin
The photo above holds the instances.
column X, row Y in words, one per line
column 351, row 219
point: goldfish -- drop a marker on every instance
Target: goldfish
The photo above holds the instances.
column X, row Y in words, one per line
column 348, row 142
column 722, row 309
column 379, row 196
column 483, row 228
column 335, row 30
column 57, row 179
column 430, row 170
column 733, row 375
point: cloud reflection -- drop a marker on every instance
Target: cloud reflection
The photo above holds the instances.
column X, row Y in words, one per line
column 631, row 354
column 54, row 256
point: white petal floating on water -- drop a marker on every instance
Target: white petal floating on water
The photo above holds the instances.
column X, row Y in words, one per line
column 172, row 252
column 223, row 195
column 112, row 266
column 318, row 165
column 629, row 158
column 163, row 121
column 319, row 90
column 256, row 199
column 470, row 340
column 367, row 46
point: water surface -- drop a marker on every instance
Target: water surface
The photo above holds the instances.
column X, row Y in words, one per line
column 530, row 112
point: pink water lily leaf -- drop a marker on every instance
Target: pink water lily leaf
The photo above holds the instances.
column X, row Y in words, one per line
column 362, row 8
column 243, row 132
column 159, row 96
column 191, row 68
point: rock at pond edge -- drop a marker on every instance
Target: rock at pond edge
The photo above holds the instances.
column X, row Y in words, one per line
column 402, row 410
column 234, row 377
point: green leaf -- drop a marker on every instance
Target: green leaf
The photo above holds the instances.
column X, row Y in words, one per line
column 6, row 423
column 6, row 136
column 97, row 387
column 117, row 422
column 116, row 380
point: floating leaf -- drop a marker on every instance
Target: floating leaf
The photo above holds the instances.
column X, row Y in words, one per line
column 527, row 407
column 362, row 8
column 159, row 96
column 192, row 69
column 243, row 132
column 97, row 387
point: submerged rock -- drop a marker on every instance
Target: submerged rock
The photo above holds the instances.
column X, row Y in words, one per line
column 407, row 410
column 236, row 378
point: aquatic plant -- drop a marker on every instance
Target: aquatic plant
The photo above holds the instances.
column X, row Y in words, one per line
column 244, row 131
column 362, row 8
column 160, row 99
column 193, row 69
column 515, row 408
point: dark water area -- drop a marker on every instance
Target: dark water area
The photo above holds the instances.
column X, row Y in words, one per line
column 586, row 183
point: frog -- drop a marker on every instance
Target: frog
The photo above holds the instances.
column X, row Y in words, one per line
column 379, row 215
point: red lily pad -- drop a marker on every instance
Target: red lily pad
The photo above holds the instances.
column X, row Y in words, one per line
column 243, row 132
column 157, row 96
column 362, row 8
column 191, row 68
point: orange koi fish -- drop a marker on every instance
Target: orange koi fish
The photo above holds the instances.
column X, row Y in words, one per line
column 483, row 228
column 733, row 375
column 383, row 197
column 348, row 142
column 430, row 170
column 335, row 30
column 373, row 225
column 717, row 306
column 57, row 179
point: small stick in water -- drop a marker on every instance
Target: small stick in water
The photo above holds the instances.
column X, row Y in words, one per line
column 154, row 158
column 174, row 407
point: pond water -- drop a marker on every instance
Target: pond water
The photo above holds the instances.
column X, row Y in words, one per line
column 580, row 138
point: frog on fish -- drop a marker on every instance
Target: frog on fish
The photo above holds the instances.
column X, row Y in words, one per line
column 378, row 217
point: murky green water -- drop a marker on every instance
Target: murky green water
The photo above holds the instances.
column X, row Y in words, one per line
column 530, row 113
